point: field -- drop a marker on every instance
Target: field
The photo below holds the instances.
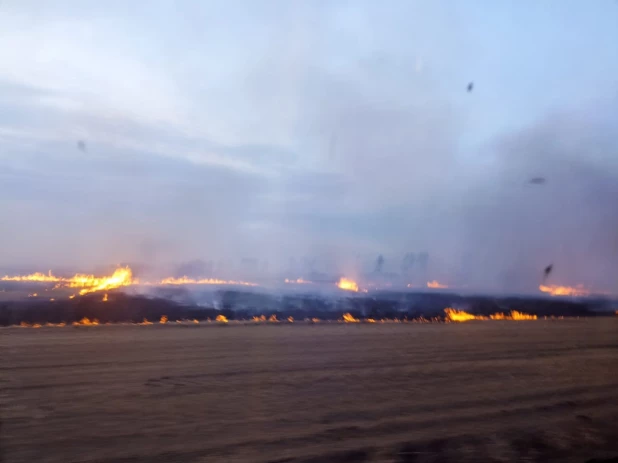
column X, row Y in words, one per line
column 479, row 391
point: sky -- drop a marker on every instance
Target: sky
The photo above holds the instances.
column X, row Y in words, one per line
column 337, row 130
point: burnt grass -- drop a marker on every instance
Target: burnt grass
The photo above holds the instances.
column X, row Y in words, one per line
column 238, row 305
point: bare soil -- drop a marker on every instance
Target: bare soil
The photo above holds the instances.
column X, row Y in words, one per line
column 481, row 391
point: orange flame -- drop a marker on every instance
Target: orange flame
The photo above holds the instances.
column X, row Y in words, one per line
column 104, row 298
column 221, row 318
column 163, row 319
column 86, row 322
column 349, row 318
column 347, row 285
column 513, row 315
column 455, row 315
column 259, row 319
column 273, row 318
column 145, row 322
column 435, row 284
column 122, row 276
column 290, row 319
column 38, row 277
column 555, row 290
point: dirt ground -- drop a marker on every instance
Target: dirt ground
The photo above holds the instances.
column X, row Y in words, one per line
column 481, row 391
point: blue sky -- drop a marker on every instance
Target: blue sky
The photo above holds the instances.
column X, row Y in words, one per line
column 220, row 130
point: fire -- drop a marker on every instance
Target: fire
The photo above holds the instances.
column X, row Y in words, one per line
column 290, row 319
column 221, row 318
column 259, row 319
column 163, row 319
column 122, row 276
column 555, row 290
column 33, row 295
column 273, row 318
column 370, row 320
column 86, row 322
column 435, row 284
column 38, row 277
column 205, row 281
column 104, row 298
column 315, row 320
column 145, row 322
column 454, row 315
column 349, row 318
column 513, row 315
column 347, row 285
column 89, row 283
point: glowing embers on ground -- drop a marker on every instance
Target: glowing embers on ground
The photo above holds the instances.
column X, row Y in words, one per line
column 347, row 285
column 454, row 315
column 556, row 290
column 204, row 281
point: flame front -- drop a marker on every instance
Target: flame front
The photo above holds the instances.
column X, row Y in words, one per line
column 347, row 285
column 454, row 315
column 89, row 283
column 122, row 276
column 555, row 290
column 435, row 284
column 35, row 277
column 221, row 318
column 349, row 318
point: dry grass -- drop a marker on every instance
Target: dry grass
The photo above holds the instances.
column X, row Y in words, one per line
column 499, row 391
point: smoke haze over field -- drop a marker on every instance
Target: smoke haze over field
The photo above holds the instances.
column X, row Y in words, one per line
column 218, row 131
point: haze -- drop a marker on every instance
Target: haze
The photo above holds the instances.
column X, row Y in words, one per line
column 165, row 132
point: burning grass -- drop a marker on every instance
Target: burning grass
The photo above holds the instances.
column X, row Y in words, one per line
column 453, row 315
column 557, row 290
column 347, row 285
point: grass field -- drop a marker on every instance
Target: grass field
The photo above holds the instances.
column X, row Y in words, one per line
column 479, row 391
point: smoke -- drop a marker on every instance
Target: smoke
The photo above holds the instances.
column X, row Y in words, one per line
column 512, row 229
column 329, row 132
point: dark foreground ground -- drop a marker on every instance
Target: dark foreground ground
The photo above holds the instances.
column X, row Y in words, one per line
column 482, row 391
